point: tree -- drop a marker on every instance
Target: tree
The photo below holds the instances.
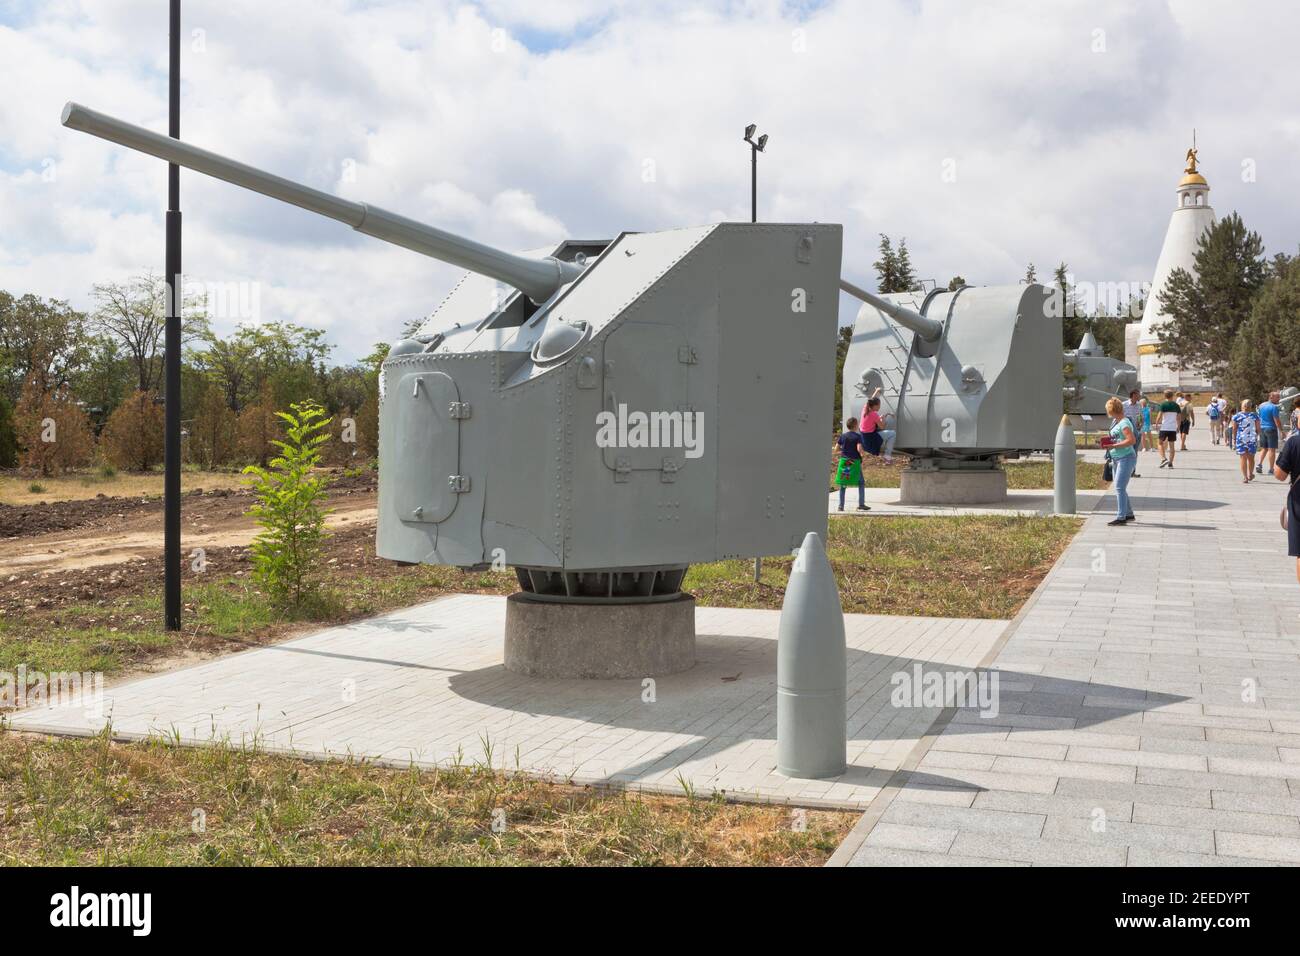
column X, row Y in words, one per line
column 894, row 267
column 52, row 431
column 841, row 353
column 214, row 432
column 956, row 282
column 906, row 276
column 46, row 338
column 8, row 437
column 1205, row 311
column 134, row 314
column 258, row 431
column 105, row 377
column 290, row 506
column 1031, row 275
column 1266, row 353
column 886, row 266
column 132, row 439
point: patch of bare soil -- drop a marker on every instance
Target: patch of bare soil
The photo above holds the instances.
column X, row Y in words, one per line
column 68, row 535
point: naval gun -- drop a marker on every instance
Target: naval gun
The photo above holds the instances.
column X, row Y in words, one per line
column 621, row 409
column 1092, row 378
column 970, row 376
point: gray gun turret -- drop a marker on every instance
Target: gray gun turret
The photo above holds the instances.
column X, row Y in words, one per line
column 642, row 403
column 538, row 278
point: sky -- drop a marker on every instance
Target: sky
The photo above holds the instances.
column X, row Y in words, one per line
column 988, row 134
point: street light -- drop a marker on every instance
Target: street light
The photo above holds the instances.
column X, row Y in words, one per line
column 755, row 147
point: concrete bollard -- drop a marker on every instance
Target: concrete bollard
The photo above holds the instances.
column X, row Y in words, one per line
column 811, row 670
column 1063, row 469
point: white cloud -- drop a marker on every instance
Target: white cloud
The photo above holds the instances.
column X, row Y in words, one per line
column 517, row 123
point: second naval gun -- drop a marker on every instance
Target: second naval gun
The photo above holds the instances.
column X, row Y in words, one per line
column 970, row 376
column 1092, row 378
column 597, row 415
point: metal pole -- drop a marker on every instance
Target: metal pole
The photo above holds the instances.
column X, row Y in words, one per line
column 753, row 184
column 172, row 345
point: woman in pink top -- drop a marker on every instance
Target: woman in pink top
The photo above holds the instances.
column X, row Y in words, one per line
column 873, row 421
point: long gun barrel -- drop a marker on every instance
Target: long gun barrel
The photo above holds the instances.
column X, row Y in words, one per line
column 930, row 330
column 538, row 278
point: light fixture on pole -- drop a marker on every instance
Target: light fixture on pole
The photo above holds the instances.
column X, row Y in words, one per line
column 755, row 147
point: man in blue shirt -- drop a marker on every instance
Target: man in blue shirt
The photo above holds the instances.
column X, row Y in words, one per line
column 1270, row 427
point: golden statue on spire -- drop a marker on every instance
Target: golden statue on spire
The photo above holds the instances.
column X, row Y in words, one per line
column 1191, row 156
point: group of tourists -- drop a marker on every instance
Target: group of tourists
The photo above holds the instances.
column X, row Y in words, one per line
column 865, row 436
column 1140, row 423
column 1251, row 432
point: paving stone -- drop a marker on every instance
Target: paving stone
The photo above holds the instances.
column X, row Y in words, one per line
column 1219, row 819
column 899, row 836
column 1256, row 847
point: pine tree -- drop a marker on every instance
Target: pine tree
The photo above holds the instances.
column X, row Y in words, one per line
column 1266, row 353
column 1031, row 275
column 956, row 282
column 906, row 277
column 886, row 266
column 1205, row 312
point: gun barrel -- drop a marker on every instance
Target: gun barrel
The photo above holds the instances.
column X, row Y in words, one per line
column 538, row 278
column 930, row 330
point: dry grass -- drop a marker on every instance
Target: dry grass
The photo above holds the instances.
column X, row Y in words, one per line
column 1029, row 474
column 15, row 489
column 93, row 802
column 961, row 566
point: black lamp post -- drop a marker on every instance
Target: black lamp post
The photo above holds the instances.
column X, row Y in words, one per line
column 755, row 147
column 172, row 346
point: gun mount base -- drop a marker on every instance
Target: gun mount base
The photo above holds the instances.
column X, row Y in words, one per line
column 605, row 641
column 953, row 486
column 613, row 586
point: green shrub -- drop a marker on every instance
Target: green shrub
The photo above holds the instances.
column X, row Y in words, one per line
column 290, row 506
column 36, row 487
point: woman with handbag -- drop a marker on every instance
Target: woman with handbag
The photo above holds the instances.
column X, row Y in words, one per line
column 1287, row 467
column 1121, row 459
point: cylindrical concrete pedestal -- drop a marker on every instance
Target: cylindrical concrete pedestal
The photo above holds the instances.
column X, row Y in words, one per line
column 955, row 486
column 599, row 641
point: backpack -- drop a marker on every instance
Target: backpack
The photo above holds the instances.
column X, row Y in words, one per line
column 1213, row 411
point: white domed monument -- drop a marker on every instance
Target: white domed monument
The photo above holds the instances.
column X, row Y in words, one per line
column 1190, row 220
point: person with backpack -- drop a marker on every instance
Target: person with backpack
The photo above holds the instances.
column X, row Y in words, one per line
column 849, row 471
column 1214, row 412
column 1186, row 419
column 1169, row 414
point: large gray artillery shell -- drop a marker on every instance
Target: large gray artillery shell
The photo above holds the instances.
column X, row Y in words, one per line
column 1063, row 477
column 811, row 665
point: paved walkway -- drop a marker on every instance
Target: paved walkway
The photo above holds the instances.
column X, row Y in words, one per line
column 425, row 685
column 1028, row 503
column 1150, row 699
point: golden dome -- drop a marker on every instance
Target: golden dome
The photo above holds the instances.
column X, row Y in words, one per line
column 1193, row 179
